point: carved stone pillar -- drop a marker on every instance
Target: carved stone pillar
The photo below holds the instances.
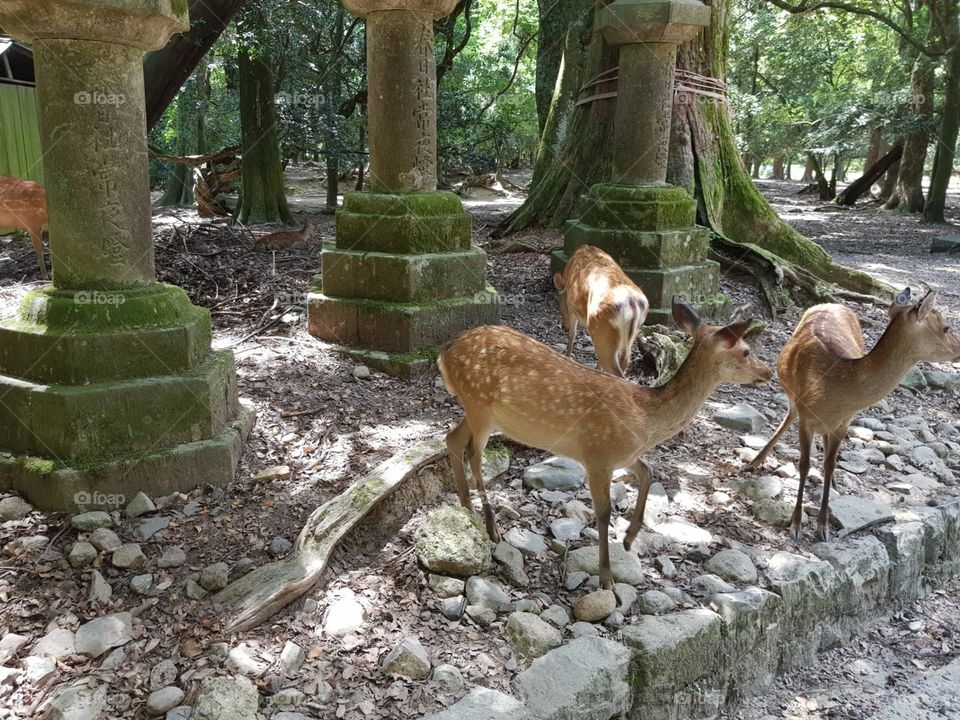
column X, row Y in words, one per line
column 647, row 225
column 108, row 385
column 404, row 276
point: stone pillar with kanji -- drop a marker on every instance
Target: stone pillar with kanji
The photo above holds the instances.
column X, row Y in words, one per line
column 108, row 384
column 403, row 276
column 646, row 224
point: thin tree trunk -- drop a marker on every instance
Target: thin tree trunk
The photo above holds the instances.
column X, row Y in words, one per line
column 876, row 149
column 262, row 197
column 778, row 166
column 179, row 188
column 936, row 203
column 889, row 182
column 808, row 170
column 333, row 180
column 908, row 194
column 862, row 185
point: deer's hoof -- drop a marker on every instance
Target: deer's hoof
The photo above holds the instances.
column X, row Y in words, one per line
column 796, row 534
column 823, row 534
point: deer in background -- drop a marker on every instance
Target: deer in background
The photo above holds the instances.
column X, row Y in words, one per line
column 23, row 206
column 595, row 291
column 828, row 379
column 538, row 397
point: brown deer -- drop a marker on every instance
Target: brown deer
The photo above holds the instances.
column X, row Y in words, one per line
column 828, row 379
column 538, row 397
column 595, row 291
column 284, row 239
column 23, row 206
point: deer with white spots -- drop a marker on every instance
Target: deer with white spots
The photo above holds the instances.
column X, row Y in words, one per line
column 595, row 291
column 505, row 380
column 828, row 378
column 23, row 206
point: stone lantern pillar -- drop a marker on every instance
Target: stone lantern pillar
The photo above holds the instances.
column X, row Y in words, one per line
column 108, row 384
column 647, row 225
column 403, row 276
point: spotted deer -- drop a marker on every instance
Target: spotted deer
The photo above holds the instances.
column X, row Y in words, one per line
column 537, row 396
column 594, row 290
column 828, row 378
column 23, row 206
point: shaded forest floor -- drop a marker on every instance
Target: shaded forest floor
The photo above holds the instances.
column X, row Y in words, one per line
column 329, row 428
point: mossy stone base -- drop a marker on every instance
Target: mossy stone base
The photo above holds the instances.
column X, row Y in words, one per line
column 404, row 278
column 79, row 337
column 77, row 422
column 644, row 208
column 398, row 328
column 433, row 222
column 401, row 365
column 643, row 249
column 53, row 485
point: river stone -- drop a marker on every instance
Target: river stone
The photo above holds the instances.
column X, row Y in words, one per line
column 566, row 529
column 924, row 457
column 774, row 512
column 595, row 606
column 215, row 577
column 10, row 645
column 58, row 643
column 453, row 541
column 710, row 584
column 530, row 636
column 449, row 677
column 161, row 701
column 869, row 422
column 943, row 380
column 555, row 473
column 486, row 593
column 142, row 584
column 452, row 608
column 511, row 561
column 666, row 567
column 90, row 521
column 408, row 659
column 128, row 556
column 577, row 510
column 292, row 658
column 914, row 379
column 104, row 633
column 80, row 702
column 556, row 614
column 344, row 615
column 733, row 565
column 81, row 554
column 654, row 602
column 279, row 547
column 481, row 614
column 99, row 591
column 575, row 580
column 526, row 541
column 105, row 539
column 625, row 565
column 172, row 557
column 741, row 418
column 680, row 531
column 626, row 597
column 484, row 704
column 766, row 486
column 224, row 697
column 140, row 505
column 446, row 587
column 586, row 679
column 163, row 673
column 14, row 508
column 850, row 514
column 151, row 526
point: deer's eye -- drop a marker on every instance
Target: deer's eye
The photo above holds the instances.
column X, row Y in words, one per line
column 746, row 353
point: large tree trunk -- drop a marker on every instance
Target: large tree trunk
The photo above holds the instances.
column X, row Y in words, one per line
column 778, row 165
column 556, row 19
column 575, row 150
column 933, row 211
column 908, row 194
column 262, row 197
column 808, row 170
column 871, row 174
column 165, row 71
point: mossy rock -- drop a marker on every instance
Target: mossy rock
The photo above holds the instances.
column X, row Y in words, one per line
column 453, row 541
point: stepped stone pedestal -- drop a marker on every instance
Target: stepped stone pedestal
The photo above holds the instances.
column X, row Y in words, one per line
column 108, row 385
column 647, row 225
column 403, row 276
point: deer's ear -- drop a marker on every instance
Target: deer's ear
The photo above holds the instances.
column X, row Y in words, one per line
column 900, row 303
column 731, row 334
column 926, row 305
column 559, row 283
column 684, row 315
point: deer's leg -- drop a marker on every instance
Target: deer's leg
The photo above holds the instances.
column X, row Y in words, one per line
column 476, row 461
column 806, row 443
column 600, row 492
column 37, row 239
column 571, row 335
column 641, row 471
column 785, row 424
column 831, row 446
column 457, row 441
column 607, row 347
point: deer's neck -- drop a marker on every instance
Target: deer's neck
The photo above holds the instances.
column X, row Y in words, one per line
column 872, row 377
column 671, row 407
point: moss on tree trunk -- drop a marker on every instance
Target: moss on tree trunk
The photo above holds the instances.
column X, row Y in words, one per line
column 262, row 197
